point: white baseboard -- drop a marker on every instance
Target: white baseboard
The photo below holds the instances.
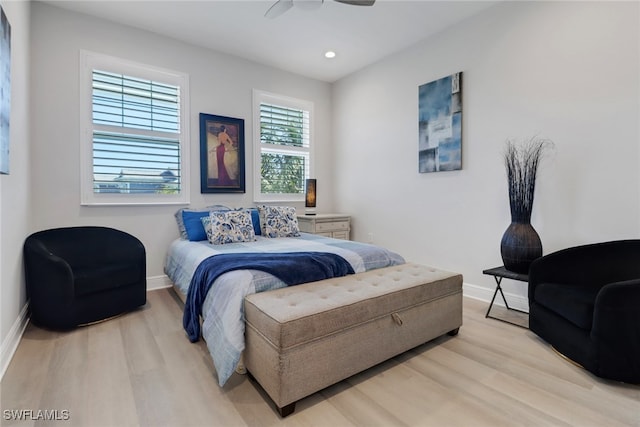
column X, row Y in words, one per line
column 10, row 343
column 158, row 282
column 485, row 294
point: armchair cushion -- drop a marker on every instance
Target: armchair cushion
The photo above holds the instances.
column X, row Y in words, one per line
column 100, row 278
column 572, row 302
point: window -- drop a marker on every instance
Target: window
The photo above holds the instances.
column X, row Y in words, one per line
column 282, row 147
column 134, row 133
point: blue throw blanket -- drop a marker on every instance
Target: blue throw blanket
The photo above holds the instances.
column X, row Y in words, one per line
column 293, row 268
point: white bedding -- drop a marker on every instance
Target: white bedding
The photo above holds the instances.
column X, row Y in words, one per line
column 222, row 311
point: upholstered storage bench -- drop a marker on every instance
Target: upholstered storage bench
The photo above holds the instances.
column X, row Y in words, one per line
column 304, row 338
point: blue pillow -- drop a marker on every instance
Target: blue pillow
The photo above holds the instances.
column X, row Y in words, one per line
column 255, row 218
column 193, row 225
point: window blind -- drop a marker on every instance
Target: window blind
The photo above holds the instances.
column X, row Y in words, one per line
column 284, row 126
column 284, row 137
column 137, row 164
column 136, row 126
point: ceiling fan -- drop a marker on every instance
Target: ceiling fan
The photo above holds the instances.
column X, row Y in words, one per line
column 281, row 6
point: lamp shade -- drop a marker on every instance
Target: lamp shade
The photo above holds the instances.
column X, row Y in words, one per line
column 310, row 193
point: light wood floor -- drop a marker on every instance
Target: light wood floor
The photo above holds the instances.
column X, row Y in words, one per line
column 140, row 370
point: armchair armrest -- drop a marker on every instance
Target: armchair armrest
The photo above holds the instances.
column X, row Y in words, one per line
column 117, row 245
column 48, row 278
column 624, row 296
column 616, row 329
column 42, row 266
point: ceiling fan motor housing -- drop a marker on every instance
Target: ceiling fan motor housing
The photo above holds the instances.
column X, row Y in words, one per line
column 281, row 6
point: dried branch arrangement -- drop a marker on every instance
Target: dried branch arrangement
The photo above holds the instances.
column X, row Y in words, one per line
column 521, row 161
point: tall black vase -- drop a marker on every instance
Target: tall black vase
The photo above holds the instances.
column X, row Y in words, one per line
column 520, row 246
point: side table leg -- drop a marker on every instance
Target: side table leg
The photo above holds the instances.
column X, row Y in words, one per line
column 498, row 288
column 498, row 280
column 503, row 298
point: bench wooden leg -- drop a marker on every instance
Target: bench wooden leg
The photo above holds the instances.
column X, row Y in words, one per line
column 287, row 409
column 453, row 332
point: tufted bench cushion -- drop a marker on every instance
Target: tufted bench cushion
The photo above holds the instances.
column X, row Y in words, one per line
column 301, row 339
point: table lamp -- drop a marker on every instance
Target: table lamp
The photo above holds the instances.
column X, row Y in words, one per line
column 310, row 197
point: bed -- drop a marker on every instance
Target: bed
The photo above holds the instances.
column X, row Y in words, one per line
column 223, row 323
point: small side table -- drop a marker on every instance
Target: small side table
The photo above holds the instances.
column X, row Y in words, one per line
column 337, row 226
column 498, row 274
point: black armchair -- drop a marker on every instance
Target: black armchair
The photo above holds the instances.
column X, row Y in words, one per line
column 585, row 302
column 79, row 275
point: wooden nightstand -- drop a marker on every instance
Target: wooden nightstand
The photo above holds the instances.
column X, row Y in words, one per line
column 330, row 225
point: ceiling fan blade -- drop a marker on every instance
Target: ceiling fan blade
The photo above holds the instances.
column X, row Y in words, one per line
column 278, row 8
column 357, row 2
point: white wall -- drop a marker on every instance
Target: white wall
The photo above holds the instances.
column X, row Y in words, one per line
column 15, row 206
column 219, row 84
column 568, row 71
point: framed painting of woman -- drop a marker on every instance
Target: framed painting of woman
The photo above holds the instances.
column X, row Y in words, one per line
column 221, row 154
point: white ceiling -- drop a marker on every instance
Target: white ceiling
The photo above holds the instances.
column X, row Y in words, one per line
column 295, row 41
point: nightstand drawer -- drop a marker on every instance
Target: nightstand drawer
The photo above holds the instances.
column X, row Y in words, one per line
column 332, row 226
column 344, row 235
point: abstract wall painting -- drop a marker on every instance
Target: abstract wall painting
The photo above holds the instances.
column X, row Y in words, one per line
column 440, row 125
column 5, row 90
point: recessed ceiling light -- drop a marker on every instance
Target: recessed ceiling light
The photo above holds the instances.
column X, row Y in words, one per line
column 329, row 54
